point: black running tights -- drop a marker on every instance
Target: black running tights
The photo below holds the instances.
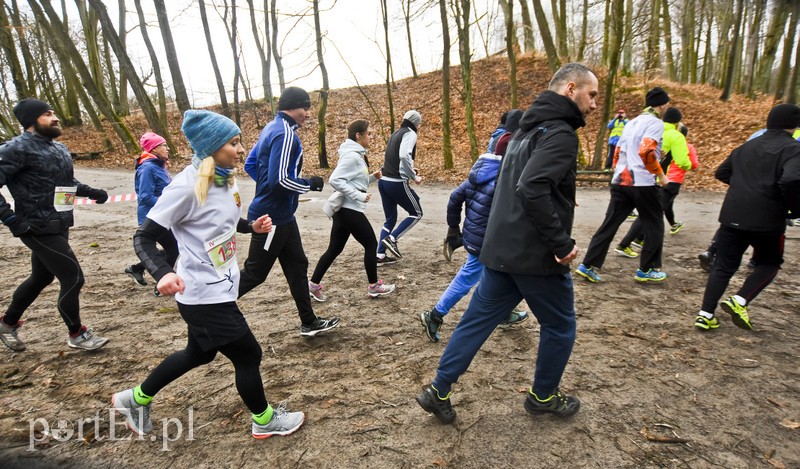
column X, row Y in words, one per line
column 348, row 222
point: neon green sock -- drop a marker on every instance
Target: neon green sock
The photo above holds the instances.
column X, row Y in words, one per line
column 264, row 417
column 140, row 397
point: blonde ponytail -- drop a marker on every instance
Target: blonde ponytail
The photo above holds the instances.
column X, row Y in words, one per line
column 205, row 177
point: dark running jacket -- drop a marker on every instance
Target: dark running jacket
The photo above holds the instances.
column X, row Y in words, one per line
column 763, row 177
column 476, row 195
column 534, row 201
column 32, row 166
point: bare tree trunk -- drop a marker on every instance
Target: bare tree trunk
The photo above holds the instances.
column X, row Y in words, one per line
column 508, row 12
column 223, row 96
column 162, row 99
column 788, row 45
column 549, row 46
column 791, row 85
column 606, row 32
column 127, row 67
column 124, row 109
column 777, row 23
column 447, row 143
column 527, row 26
column 584, row 30
column 618, row 31
column 670, row 58
column 9, row 48
column 559, row 10
column 181, row 98
column 627, row 48
column 68, row 54
column 110, row 80
column 385, row 16
column 687, row 39
column 265, row 59
column 708, row 60
column 465, row 56
column 275, row 49
column 751, row 53
column 323, row 95
column 23, row 43
column 653, row 58
column 407, row 17
column 728, row 87
column 237, row 67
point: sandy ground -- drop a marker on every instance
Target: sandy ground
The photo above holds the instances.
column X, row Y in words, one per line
column 731, row 396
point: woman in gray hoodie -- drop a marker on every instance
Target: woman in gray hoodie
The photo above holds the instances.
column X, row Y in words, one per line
column 351, row 178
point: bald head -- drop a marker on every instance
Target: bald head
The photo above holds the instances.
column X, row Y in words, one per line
column 578, row 83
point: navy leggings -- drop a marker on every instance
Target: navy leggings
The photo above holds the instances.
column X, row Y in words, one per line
column 394, row 194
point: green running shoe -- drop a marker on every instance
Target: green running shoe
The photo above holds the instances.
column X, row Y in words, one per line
column 738, row 313
column 704, row 324
column 626, row 251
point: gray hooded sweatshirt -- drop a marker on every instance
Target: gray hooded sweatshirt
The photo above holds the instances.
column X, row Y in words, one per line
column 351, row 176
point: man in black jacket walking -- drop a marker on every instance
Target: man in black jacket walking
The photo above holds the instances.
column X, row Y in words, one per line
column 763, row 177
column 38, row 172
column 528, row 247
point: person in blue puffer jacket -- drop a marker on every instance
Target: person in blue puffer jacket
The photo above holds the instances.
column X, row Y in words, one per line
column 475, row 194
column 150, row 180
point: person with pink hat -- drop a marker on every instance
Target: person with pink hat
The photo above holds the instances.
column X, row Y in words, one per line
column 151, row 179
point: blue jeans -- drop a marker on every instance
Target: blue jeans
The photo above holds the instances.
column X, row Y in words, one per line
column 551, row 300
column 462, row 283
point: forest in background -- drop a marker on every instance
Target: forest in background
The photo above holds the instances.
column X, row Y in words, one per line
column 728, row 59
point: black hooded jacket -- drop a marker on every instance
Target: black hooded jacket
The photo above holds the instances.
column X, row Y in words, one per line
column 534, row 203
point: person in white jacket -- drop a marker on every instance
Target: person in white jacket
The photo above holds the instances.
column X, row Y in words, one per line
column 351, row 178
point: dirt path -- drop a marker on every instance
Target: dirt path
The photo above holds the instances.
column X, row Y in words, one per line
column 638, row 365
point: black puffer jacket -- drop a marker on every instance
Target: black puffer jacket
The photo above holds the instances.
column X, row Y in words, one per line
column 534, row 201
column 32, row 166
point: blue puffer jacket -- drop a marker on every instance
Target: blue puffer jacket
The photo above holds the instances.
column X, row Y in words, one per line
column 150, row 180
column 477, row 191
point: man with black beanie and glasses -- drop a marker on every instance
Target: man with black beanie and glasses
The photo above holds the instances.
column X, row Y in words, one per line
column 38, row 172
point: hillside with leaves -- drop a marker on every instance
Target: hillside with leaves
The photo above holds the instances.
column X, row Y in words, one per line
column 716, row 127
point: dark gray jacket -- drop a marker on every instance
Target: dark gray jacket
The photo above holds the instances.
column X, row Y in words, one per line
column 32, row 166
column 534, row 201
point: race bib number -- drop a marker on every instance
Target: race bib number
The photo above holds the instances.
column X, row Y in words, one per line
column 222, row 252
column 64, row 198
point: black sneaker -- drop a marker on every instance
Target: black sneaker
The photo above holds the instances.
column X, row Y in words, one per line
column 706, row 261
column 156, row 293
column 558, row 403
column 391, row 246
column 429, row 400
column 388, row 260
column 136, row 275
column 319, row 325
column 431, row 323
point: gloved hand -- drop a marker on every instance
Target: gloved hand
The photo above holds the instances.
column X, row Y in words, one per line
column 17, row 227
column 316, row 183
column 453, row 237
column 99, row 195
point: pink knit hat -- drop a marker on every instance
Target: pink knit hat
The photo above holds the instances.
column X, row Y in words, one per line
column 150, row 141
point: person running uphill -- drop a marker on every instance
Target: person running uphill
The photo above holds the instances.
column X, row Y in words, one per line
column 398, row 169
column 351, row 178
column 276, row 164
column 151, row 179
column 202, row 206
column 38, row 172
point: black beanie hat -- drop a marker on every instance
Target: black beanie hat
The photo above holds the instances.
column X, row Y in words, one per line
column 656, row 97
column 28, row 110
column 784, row 116
column 512, row 122
column 294, row 98
column 673, row 115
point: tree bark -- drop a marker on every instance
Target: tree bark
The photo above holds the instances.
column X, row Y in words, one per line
column 751, row 53
column 788, row 45
column 275, row 49
column 627, row 48
column 618, row 31
column 669, row 56
column 223, row 95
column 407, row 17
column 447, row 142
column 323, row 95
column 687, row 39
column 790, row 92
column 385, row 17
column 465, row 56
column 9, row 48
column 653, row 58
column 527, row 26
column 728, row 87
column 237, row 67
column 549, row 46
column 265, row 56
column 584, row 30
column 777, row 24
column 508, row 13
column 181, row 98
column 122, row 29
column 162, row 99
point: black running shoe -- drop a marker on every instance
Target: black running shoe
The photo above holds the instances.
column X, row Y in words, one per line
column 706, row 260
column 557, row 403
column 319, row 325
column 391, row 246
column 136, row 275
column 388, row 260
column 429, row 400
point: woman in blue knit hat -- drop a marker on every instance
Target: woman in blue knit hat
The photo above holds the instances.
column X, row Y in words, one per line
column 202, row 207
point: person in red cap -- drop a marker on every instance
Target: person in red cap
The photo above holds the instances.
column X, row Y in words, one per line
column 151, row 179
column 38, row 172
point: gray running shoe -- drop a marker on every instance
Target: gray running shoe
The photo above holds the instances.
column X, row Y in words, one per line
column 391, row 246
column 8, row 334
column 136, row 275
column 282, row 423
column 137, row 415
column 86, row 340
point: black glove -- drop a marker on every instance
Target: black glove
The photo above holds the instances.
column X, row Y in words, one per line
column 99, row 195
column 17, row 227
column 454, row 238
column 316, row 183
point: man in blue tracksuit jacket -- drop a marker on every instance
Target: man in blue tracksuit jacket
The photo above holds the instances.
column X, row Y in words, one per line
column 275, row 163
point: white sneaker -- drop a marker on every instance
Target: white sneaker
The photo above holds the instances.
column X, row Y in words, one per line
column 137, row 415
column 86, row 340
column 8, row 334
column 282, row 423
column 380, row 289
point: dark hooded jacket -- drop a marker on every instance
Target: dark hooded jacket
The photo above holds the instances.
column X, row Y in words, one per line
column 476, row 195
column 534, row 201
